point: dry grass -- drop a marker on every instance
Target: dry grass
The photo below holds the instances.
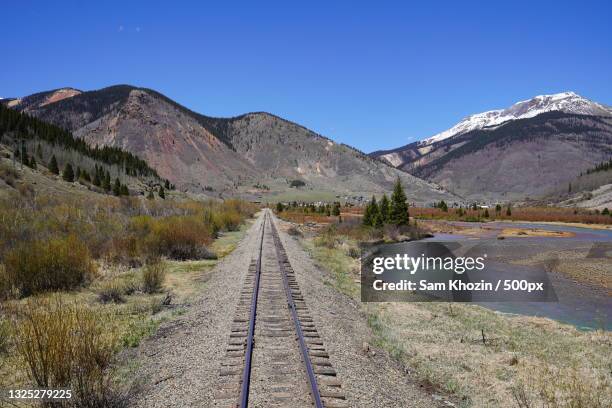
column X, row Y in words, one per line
column 66, row 346
column 525, row 362
column 92, row 249
column 153, row 276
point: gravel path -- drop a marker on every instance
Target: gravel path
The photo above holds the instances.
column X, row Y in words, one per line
column 368, row 379
column 180, row 364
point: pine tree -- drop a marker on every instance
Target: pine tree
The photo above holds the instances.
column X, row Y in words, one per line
column 77, row 175
column 124, row 190
column 162, row 194
column 68, row 174
column 33, row 163
column 508, row 211
column 96, row 180
column 106, row 183
column 498, row 208
column 443, row 206
column 167, row 185
column 399, row 208
column 53, row 165
column 377, row 219
column 371, row 212
column 336, row 210
column 150, row 195
column 385, row 209
column 117, row 187
column 486, row 213
column 605, row 211
column 279, row 207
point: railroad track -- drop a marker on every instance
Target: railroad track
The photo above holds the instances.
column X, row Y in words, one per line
column 274, row 356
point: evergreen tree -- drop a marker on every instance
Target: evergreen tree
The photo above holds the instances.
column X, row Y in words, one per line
column 486, row 213
column 167, row 185
column 68, row 174
column 150, row 195
column 106, row 183
column 53, row 168
column 85, row 175
column 124, row 190
column 279, row 207
column 605, row 211
column 377, row 219
column 77, row 175
column 96, row 180
column 24, row 154
column 508, row 211
column 162, row 194
column 33, row 163
column 371, row 211
column 117, row 187
column 385, row 209
column 336, row 210
column 498, row 208
column 399, row 208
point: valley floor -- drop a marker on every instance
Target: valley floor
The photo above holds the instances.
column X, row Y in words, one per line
column 180, row 364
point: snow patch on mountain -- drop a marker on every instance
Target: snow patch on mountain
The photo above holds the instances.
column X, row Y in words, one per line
column 568, row 102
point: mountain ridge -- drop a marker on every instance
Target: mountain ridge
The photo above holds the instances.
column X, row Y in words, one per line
column 221, row 155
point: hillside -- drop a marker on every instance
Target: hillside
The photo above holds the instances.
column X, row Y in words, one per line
column 257, row 155
column 529, row 150
column 38, row 157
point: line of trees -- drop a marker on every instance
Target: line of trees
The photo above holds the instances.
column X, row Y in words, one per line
column 603, row 166
column 26, row 127
column 393, row 211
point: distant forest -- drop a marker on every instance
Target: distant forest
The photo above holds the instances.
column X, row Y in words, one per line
column 28, row 128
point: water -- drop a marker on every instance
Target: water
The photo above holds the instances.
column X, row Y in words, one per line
column 581, row 305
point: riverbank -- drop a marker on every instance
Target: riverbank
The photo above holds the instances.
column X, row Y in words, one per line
column 486, row 358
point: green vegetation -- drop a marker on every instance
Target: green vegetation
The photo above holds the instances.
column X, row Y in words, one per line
column 297, row 183
column 394, row 212
column 603, row 166
column 24, row 127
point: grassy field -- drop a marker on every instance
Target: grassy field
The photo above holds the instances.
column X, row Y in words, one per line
column 82, row 279
column 523, row 362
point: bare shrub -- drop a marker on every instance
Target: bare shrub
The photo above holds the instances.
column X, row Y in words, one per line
column 66, row 346
column 153, row 276
column 177, row 237
column 294, row 232
column 53, row 264
column 111, row 292
column 8, row 174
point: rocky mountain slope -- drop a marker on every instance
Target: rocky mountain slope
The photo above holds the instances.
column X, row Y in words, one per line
column 218, row 155
column 528, row 150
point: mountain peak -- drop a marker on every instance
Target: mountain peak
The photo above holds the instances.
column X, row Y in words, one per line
column 568, row 102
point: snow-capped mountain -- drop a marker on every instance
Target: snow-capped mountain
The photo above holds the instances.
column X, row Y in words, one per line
column 527, row 150
column 568, row 102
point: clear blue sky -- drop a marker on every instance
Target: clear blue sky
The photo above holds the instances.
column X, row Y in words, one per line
column 372, row 74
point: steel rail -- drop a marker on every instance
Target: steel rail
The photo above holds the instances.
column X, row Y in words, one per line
column 246, row 374
column 314, row 387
